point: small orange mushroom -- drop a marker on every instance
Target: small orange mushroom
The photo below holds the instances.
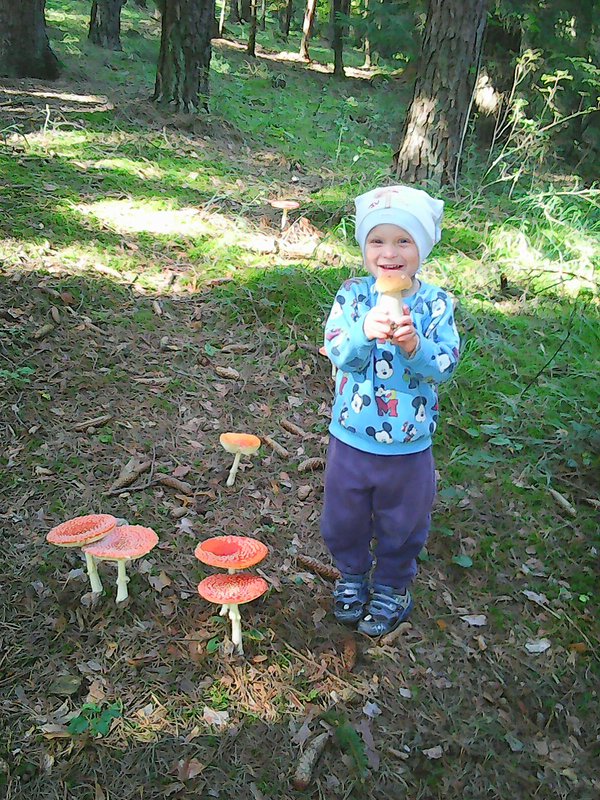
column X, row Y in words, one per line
column 284, row 206
column 231, row 591
column 81, row 531
column 239, row 444
column 122, row 545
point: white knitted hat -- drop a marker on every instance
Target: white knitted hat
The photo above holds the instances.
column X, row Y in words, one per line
column 411, row 209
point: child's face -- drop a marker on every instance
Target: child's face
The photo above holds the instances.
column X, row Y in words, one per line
column 390, row 247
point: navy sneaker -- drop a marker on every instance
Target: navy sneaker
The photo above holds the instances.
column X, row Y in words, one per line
column 350, row 597
column 386, row 609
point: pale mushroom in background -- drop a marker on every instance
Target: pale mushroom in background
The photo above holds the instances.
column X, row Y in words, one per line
column 82, row 531
column 284, row 206
column 323, row 352
column 122, row 545
column 238, row 444
column 231, row 591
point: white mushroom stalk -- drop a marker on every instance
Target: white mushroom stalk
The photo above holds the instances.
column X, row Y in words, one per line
column 230, row 591
column 92, row 571
column 234, row 469
column 392, row 286
column 122, row 581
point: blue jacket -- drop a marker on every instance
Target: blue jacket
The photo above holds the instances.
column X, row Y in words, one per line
column 384, row 401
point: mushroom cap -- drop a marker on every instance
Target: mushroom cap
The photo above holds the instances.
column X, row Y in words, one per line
column 124, row 544
column 231, row 552
column 81, row 530
column 245, row 443
column 284, row 205
column 232, row 589
column 323, row 351
column 392, row 281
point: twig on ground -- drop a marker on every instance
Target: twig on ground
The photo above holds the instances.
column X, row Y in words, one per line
column 276, row 446
column 96, row 422
column 563, row 502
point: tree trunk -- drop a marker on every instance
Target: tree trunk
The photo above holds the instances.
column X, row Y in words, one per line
column 24, row 47
column 251, row 46
column 234, row 12
column 286, row 19
column 222, row 17
column 338, row 38
column 246, row 10
column 185, row 51
column 263, row 15
column 436, row 122
column 307, row 26
column 367, row 42
column 105, row 24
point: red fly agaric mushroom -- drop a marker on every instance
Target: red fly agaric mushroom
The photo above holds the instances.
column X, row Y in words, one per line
column 231, row 552
column 284, row 206
column 239, row 444
column 122, row 545
column 81, row 531
column 231, row 591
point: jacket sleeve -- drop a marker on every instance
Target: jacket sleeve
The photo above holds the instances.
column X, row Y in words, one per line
column 437, row 354
column 345, row 341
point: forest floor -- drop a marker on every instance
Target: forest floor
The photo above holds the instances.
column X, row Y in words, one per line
column 145, row 282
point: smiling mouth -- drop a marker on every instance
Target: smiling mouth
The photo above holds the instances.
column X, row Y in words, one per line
column 391, row 267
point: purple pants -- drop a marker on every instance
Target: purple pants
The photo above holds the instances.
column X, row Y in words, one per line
column 383, row 498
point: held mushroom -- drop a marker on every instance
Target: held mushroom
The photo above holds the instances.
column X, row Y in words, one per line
column 82, row 531
column 231, row 591
column 392, row 286
column 122, row 545
column 239, row 444
column 284, row 206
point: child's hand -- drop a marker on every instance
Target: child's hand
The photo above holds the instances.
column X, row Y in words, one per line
column 405, row 335
column 377, row 324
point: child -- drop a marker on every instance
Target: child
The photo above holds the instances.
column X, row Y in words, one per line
column 380, row 476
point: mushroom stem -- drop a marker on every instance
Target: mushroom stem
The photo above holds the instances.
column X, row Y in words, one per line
column 236, row 627
column 234, row 469
column 92, row 572
column 122, row 581
column 284, row 219
column 392, row 303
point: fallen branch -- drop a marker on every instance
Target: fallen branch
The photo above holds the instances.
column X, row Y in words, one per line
column 563, row 502
column 96, row 422
column 324, row 570
column 308, row 761
column 276, row 447
column 291, row 427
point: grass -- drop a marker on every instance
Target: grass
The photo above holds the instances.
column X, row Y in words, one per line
column 149, row 244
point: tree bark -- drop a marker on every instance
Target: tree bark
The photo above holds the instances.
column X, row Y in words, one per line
column 246, row 10
column 105, row 23
column 185, row 52
column 234, row 11
column 263, row 15
column 251, row 46
column 307, row 27
column 337, row 44
column 24, row 47
column 436, row 122
column 286, row 19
